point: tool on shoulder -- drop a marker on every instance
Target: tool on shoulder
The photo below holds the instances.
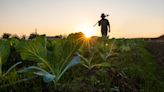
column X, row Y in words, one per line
column 103, row 15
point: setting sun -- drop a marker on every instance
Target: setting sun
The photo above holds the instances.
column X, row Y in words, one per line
column 87, row 31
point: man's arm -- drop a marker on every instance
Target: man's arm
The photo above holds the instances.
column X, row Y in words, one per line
column 99, row 22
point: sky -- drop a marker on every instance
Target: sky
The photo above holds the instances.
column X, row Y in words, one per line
column 128, row 18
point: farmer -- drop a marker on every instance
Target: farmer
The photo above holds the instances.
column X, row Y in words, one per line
column 105, row 26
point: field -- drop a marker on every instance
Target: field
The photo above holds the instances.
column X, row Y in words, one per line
column 79, row 64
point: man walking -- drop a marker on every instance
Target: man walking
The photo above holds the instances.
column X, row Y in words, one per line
column 105, row 26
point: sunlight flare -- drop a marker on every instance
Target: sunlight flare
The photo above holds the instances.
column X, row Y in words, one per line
column 88, row 31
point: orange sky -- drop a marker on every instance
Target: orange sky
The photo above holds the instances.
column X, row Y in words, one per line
column 128, row 18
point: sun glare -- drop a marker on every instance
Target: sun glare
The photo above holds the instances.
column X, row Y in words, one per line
column 87, row 31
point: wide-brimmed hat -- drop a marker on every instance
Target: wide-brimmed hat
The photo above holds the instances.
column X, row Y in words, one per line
column 103, row 15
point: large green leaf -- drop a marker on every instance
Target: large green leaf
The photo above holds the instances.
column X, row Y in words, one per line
column 47, row 77
column 73, row 62
column 4, row 52
column 61, row 53
column 33, row 50
column 58, row 56
column 11, row 68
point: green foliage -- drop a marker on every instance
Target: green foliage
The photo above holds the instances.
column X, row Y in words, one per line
column 0, row 67
column 4, row 53
column 47, row 77
column 119, row 65
column 58, row 60
column 88, row 63
column 4, row 50
column 12, row 67
column 33, row 50
column 99, row 55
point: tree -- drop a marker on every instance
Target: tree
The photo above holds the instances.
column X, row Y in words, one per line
column 6, row 35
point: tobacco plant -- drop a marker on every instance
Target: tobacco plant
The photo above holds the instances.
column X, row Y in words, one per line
column 54, row 57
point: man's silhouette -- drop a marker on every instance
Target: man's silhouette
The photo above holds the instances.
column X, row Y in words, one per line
column 105, row 26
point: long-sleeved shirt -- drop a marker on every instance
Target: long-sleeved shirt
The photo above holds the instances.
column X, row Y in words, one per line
column 104, row 23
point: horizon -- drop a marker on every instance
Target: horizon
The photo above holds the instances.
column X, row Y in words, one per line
column 19, row 36
column 128, row 18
